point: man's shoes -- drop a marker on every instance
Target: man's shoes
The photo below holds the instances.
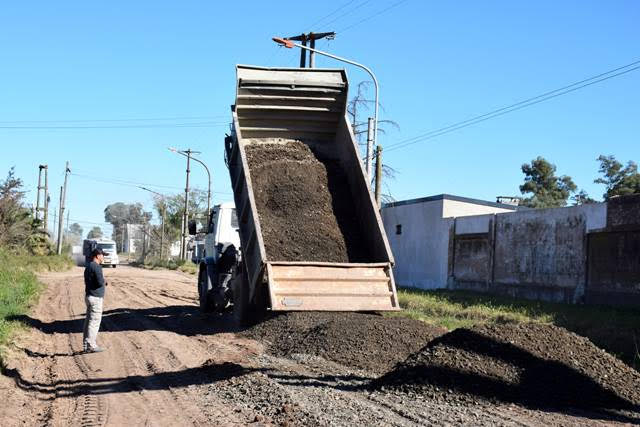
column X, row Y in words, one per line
column 94, row 350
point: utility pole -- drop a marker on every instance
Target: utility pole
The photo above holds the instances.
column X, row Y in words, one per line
column 122, row 239
column 45, row 224
column 311, row 38
column 38, row 196
column 378, row 174
column 185, row 217
column 44, row 207
column 289, row 44
column 55, row 221
column 63, row 196
column 144, row 240
column 60, row 220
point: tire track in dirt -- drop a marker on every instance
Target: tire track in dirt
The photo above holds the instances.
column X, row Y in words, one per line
column 167, row 365
column 181, row 356
column 91, row 410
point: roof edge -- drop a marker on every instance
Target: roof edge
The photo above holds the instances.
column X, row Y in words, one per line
column 453, row 198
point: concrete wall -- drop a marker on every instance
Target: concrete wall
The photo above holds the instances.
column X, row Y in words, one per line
column 614, row 255
column 545, row 254
column 542, row 253
column 422, row 250
column 587, row 253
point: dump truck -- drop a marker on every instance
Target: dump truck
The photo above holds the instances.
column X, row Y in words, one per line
column 311, row 236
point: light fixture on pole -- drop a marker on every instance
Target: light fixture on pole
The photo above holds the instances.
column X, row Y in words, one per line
column 188, row 154
column 370, row 142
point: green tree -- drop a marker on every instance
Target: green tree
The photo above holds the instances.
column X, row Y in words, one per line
column 545, row 188
column 118, row 214
column 76, row 229
column 18, row 229
column 95, row 233
column 582, row 198
column 619, row 180
column 172, row 206
column 74, row 234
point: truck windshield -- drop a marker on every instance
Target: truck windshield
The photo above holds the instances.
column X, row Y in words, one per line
column 107, row 246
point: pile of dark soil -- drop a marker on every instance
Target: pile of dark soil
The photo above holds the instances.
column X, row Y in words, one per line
column 304, row 204
column 531, row 364
column 364, row 341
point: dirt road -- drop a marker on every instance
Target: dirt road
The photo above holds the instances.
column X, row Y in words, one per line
column 166, row 364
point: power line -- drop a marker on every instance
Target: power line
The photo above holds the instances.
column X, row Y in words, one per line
column 330, row 14
column 517, row 106
column 347, row 12
column 134, row 184
column 80, row 221
column 142, row 119
column 396, row 4
column 137, row 126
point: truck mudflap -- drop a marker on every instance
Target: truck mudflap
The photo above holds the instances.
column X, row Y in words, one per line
column 317, row 286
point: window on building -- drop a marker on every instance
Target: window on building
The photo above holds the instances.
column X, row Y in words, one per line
column 399, row 229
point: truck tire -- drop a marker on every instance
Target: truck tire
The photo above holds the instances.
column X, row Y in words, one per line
column 204, row 287
column 241, row 304
column 247, row 312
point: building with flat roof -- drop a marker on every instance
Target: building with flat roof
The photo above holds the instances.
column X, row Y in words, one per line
column 418, row 232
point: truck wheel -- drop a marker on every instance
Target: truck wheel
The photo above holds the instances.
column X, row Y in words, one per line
column 204, row 286
column 241, row 299
column 113, row 266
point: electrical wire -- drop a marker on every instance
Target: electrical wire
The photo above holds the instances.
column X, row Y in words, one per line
column 330, row 14
column 117, row 120
column 517, row 106
column 136, row 126
column 396, row 4
column 134, row 184
column 350, row 11
column 80, row 221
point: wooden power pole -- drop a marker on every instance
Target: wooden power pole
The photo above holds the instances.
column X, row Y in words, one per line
column 311, row 38
column 185, row 216
column 378, row 174
column 63, row 196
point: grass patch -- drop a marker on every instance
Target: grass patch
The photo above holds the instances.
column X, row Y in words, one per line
column 172, row 264
column 616, row 330
column 19, row 287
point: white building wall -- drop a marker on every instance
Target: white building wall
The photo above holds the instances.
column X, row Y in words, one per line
column 456, row 208
column 416, row 249
column 421, row 252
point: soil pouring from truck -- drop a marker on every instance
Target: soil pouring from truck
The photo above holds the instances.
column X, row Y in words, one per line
column 310, row 234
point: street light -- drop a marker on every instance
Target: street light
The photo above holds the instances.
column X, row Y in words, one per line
column 187, row 153
column 164, row 208
column 370, row 143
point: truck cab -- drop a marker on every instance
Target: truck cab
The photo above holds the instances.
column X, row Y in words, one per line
column 221, row 253
column 222, row 229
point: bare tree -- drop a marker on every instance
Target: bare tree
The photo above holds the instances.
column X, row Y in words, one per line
column 356, row 107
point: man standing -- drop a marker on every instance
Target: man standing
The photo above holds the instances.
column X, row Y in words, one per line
column 94, row 285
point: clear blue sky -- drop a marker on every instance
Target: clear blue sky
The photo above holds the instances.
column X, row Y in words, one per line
column 437, row 62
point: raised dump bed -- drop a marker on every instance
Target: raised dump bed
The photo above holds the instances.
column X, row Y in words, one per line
column 311, row 235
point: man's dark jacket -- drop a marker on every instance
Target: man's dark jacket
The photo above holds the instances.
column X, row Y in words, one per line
column 94, row 280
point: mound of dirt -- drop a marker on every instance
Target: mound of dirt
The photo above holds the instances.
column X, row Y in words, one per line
column 304, row 205
column 531, row 364
column 364, row 341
